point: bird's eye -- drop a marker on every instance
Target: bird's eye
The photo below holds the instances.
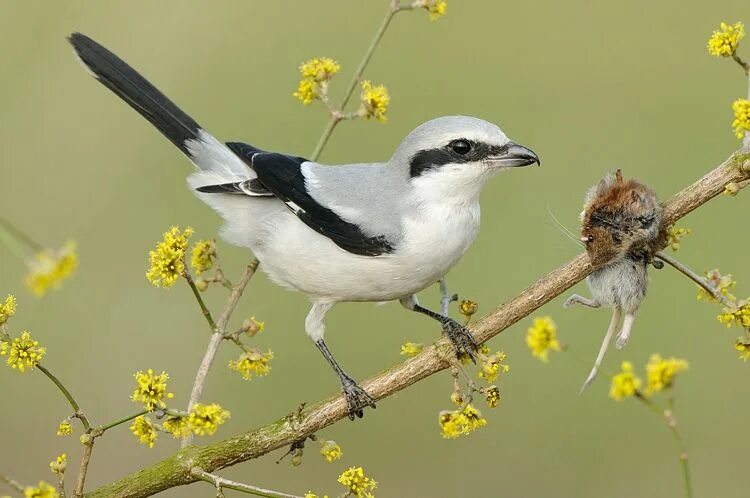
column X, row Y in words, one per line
column 461, row 147
column 590, row 238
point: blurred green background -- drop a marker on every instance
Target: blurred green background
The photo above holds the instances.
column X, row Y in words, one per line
column 590, row 86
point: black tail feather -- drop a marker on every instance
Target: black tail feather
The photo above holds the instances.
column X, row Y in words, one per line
column 134, row 89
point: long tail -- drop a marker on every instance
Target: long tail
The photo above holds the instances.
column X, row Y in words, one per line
column 207, row 153
column 603, row 349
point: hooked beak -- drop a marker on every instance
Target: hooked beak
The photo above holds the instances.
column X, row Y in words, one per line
column 515, row 155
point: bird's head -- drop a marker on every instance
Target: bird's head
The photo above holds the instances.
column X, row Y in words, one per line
column 455, row 155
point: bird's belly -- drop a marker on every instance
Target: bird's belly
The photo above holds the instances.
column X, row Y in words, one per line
column 303, row 260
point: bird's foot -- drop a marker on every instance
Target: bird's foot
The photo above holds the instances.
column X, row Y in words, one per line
column 357, row 398
column 462, row 339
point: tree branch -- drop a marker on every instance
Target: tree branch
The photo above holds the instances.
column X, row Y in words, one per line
column 176, row 470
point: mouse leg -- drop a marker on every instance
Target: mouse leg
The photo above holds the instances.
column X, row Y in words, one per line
column 627, row 327
column 576, row 299
column 603, row 349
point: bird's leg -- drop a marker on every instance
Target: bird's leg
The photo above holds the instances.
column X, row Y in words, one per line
column 627, row 327
column 461, row 337
column 603, row 349
column 576, row 299
column 357, row 398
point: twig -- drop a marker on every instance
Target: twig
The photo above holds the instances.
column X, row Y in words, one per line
column 218, row 335
column 221, row 482
column 12, row 483
column 76, row 408
column 702, row 282
column 204, row 310
column 337, row 115
column 175, row 470
column 19, row 235
column 88, row 447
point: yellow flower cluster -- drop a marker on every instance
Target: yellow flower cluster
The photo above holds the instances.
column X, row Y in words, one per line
column 743, row 348
column 457, row 423
column 64, row 429
column 42, row 490
column 177, row 426
column 251, row 326
column 436, row 8
column 625, row 383
column 724, row 41
column 7, row 309
column 357, row 483
column 467, row 307
column 168, row 259
column 144, row 430
column 661, row 372
column 375, row 100
column 252, row 363
column 493, row 365
column 331, row 451
column 411, row 348
column 738, row 315
column 741, row 123
column 492, row 396
column 49, row 268
column 206, row 419
column 203, row 256
column 59, row 465
column 722, row 283
column 675, row 237
column 315, row 76
column 151, row 389
column 23, row 352
column 541, row 337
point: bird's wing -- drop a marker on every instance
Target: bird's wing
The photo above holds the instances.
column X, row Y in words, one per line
column 283, row 177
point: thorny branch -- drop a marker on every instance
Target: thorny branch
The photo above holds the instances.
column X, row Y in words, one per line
column 176, row 470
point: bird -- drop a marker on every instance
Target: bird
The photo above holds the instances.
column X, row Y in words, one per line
column 622, row 228
column 365, row 232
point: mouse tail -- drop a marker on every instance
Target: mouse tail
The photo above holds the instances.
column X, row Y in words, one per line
column 603, row 349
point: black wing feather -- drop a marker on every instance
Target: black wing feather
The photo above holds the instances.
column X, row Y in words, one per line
column 282, row 175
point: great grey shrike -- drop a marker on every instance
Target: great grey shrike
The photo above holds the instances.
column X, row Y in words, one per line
column 354, row 232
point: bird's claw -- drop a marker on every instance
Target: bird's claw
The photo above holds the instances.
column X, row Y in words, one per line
column 357, row 398
column 462, row 339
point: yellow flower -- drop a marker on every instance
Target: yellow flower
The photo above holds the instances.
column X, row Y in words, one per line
column 7, row 309
column 492, row 366
column 252, row 363
column 724, row 41
column 151, row 389
column 59, row 465
column 660, row 372
column 675, row 237
column 738, row 315
column 375, row 101
column 721, row 283
column 331, row 451
column 310, row 494
column 411, row 348
column 251, row 326
column 460, row 422
column 64, row 429
column 168, row 259
column 144, row 430
column 49, row 268
column 492, row 396
column 43, row 490
column 474, row 417
column 23, row 352
column 467, row 307
column 177, row 426
column 625, row 383
column 743, row 347
column 319, row 69
column 206, row 419
column 541, row 337
column 436, row 8
column 741, row 123
column 307, row 91
column 203, row 255
column 356, row 482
